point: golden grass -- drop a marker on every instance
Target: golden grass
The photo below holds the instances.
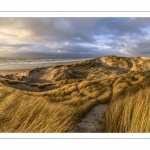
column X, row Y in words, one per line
column 57, row 110
column 60, row 109
column 20, row 112
column 130, row 113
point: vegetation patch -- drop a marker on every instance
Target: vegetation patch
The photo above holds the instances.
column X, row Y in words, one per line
column 117, row 81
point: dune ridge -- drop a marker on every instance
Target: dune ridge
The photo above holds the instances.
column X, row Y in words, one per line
column 68, row 92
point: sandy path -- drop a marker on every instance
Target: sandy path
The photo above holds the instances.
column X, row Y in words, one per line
column 90, row 122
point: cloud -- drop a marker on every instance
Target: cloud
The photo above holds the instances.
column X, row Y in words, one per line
column 75, row 36
column 140, row 47
column 124, row 27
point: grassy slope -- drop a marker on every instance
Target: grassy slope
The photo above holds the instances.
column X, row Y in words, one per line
column 131, row 112
column 60, row 109
column 30, row 112
column 57, row 110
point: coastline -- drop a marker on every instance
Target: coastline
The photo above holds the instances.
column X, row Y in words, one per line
column 8, row 71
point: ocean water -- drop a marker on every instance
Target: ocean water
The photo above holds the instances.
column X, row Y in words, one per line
column 11, row 63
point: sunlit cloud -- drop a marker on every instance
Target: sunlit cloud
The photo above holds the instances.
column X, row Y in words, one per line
column 75, row 37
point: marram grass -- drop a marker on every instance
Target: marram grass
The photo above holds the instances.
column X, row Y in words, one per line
column 129, row 114
column 88, row 83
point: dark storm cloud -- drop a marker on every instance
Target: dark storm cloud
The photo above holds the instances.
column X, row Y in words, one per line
column 76, row 36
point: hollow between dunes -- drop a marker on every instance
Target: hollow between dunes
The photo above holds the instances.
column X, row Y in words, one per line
column 29, row 88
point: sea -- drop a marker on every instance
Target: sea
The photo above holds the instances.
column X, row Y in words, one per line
column 12, row 63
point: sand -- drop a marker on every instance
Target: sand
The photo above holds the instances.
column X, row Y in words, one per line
column 90, row 122
column 13, row 71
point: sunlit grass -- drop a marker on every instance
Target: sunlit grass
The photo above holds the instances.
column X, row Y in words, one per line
column 130, row 113
column 88, row 84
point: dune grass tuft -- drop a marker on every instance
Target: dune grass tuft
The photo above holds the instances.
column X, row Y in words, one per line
column 130, row 113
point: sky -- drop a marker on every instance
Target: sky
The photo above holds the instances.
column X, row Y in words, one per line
column 74, row 37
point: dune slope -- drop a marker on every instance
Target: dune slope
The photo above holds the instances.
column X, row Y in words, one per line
column 57, row 98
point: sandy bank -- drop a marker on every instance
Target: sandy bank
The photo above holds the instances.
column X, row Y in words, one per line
column 6, row 72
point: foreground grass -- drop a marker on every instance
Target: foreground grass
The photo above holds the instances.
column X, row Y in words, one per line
column 23, row 113
column 130, row 113
column 57, row 110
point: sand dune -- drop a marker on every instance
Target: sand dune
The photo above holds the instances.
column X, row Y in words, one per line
column 57, row 98
column 108, row 66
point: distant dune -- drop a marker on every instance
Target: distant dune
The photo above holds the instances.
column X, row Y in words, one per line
column 59, row 98
column 108, row 66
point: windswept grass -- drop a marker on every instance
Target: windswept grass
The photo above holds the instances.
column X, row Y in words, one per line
column 20, row 112
column 130, row 113
column 77, row 88
column 57, row 110
column 60, row 109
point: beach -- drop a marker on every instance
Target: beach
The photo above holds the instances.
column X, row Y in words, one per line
column 83, row 97
column 15, row 65
column 7, row 72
